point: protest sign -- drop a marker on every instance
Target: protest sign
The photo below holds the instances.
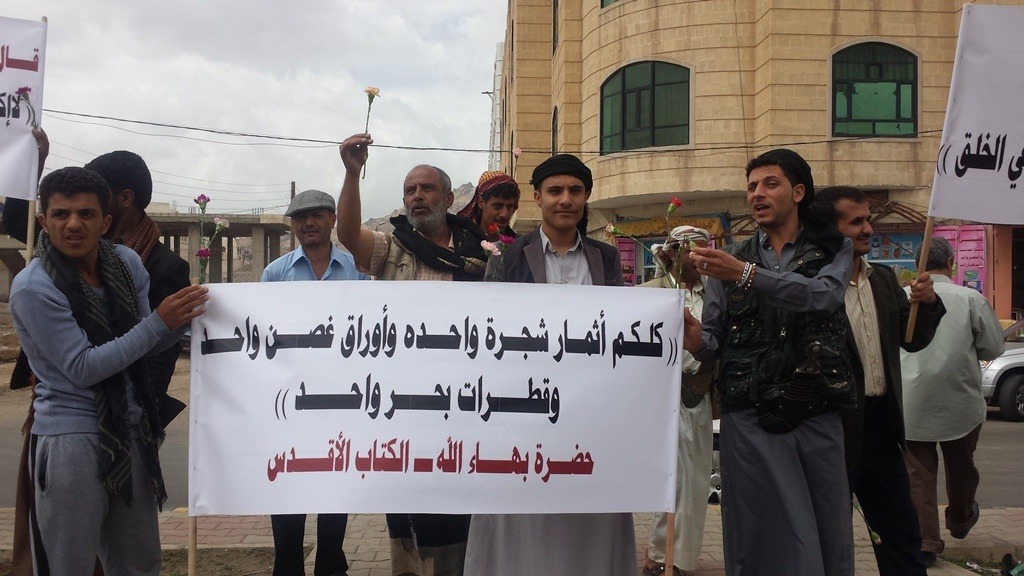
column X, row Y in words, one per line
column 22, row 57
column 442, row 397
column 981, row 157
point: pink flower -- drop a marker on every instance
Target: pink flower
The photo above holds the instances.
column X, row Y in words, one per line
column 202, row 200
column 490, row 247
column 221, row 223
column 506, row 239
column 517, row 151
column 611, row 231
column 203, row 253
column 23, row 91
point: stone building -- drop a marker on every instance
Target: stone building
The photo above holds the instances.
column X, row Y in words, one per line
column 670, row 98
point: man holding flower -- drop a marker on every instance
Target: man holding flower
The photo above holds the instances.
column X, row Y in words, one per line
column 774, row 317
column 696, row 439
column 428, row 244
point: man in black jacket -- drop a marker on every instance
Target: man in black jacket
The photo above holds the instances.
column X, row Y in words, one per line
column 131, row 188
column 878, row 310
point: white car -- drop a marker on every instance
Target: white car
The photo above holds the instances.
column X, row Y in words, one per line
column 1002, row 379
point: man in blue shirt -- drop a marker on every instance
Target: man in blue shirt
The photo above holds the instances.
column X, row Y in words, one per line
column 313, row 218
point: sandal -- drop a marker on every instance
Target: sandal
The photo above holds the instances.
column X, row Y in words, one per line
column 658, row 569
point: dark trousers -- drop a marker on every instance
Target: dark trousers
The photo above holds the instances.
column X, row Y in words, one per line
column 882, row 487
column 428, row 544
column 962, row 479
column 288, row 554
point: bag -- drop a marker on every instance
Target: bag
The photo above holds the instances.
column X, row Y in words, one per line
column 781, row 412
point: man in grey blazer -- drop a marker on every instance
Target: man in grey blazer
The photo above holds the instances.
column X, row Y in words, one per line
column 555, row 253
column 878, row 310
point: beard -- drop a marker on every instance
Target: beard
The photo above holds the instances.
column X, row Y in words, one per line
column 431, row 222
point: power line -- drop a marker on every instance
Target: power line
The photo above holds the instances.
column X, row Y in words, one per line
column 173, row 174
column 323, row 143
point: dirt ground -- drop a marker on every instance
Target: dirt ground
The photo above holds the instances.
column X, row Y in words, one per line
column 214, row 562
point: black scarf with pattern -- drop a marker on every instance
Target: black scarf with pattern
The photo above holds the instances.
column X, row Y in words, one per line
column 466, row 263
column 102, row 321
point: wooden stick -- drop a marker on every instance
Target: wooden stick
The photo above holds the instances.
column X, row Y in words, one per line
column 670, row 543
column 193, row 538
column 30, row 236
column 922, row 264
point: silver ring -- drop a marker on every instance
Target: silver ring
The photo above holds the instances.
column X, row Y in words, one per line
column 705, row 265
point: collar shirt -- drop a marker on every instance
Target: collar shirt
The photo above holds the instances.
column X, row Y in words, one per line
column 942, row 398
column 570, row 268
column 296, row 266
column 860, row 309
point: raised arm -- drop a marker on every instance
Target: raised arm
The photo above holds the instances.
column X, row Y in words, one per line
column 358, row 240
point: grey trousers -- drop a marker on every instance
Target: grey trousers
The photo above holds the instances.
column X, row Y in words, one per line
column 785, row 502
column 79, row 521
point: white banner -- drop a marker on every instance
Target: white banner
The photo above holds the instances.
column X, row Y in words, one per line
column 22, row 54
column 981, row 157
column 443, row 397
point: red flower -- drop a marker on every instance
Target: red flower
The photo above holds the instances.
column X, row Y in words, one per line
column 203, row 253
column 506, row 239
column 492, row 229
column 672, row 205
column 23, row 91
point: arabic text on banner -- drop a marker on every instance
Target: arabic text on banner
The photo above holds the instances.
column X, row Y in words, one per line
column 981, row 157
column 441, row 397
column 22, row 54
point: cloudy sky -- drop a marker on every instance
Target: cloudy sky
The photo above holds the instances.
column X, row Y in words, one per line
column 295, row 69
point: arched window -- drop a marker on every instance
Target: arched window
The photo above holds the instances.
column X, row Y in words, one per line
column 874, row 89
column 645, row 104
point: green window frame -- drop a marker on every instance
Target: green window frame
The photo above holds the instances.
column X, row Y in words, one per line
column 645, row 104
column 874, row 91
column 606, row 3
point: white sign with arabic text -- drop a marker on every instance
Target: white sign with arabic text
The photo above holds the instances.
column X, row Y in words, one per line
column 434, row 397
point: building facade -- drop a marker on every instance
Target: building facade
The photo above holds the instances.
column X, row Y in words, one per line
column 670, row 98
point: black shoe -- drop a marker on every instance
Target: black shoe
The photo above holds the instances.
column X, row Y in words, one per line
column 929, row 558
column 961, row 530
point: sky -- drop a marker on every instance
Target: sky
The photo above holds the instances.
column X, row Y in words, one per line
column 263, row 67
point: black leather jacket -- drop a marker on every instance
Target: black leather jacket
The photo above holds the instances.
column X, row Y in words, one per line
column 764, row 344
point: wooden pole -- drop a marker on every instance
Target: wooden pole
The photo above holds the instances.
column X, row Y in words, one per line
column 922, row 264
column 193, row 539
column 30, row 236
column 670, row 543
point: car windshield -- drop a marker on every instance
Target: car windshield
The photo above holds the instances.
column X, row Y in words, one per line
column 1014, row 332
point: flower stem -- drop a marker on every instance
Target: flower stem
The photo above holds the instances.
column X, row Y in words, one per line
column 366, row 130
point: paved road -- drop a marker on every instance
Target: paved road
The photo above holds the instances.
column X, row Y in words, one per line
column 999, row 450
